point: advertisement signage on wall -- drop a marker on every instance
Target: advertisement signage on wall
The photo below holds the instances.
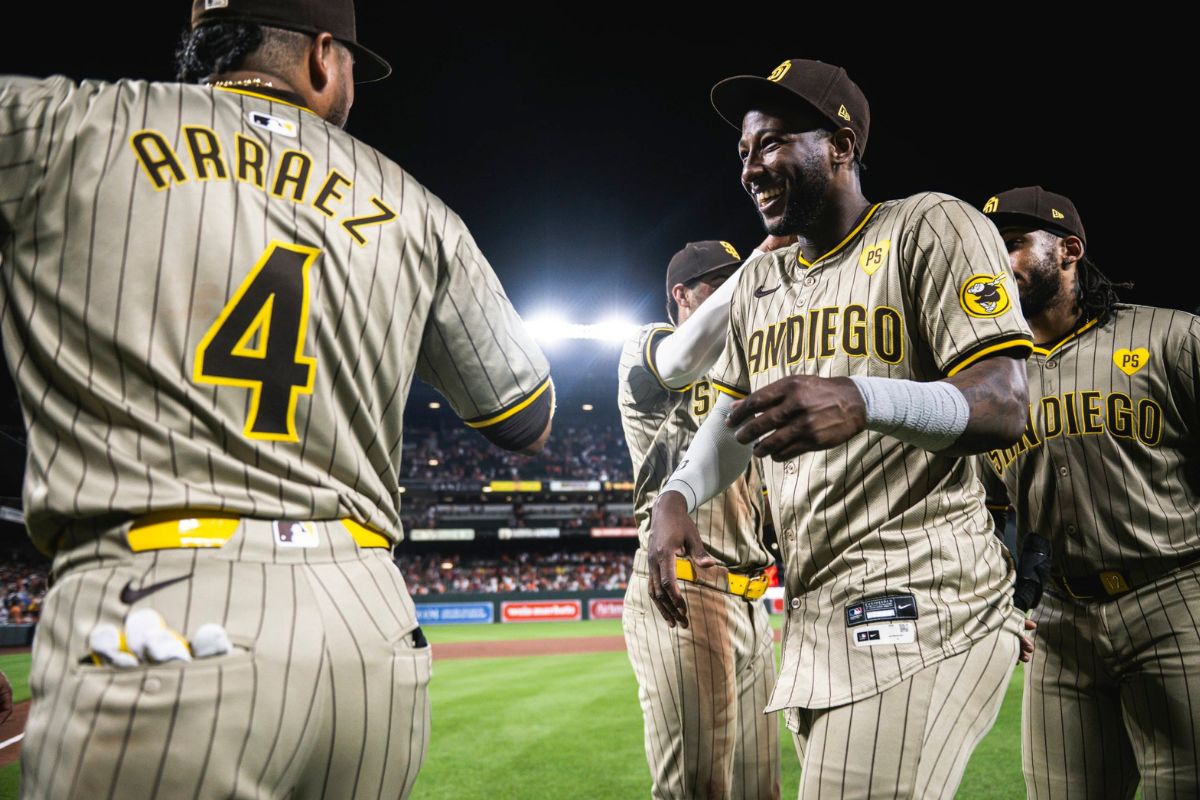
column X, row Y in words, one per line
column 607, row 533
column 528, row 533
column 455, row 613
column 442, row 534
column 606, row 607
column 541, row 611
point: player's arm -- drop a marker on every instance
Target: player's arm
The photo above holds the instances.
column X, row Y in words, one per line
column 981, row 402
column 477, row 352
column 27, row 110
column 713, row 461
column 682, row 357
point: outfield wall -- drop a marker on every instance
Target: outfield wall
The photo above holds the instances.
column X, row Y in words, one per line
column 517, row 607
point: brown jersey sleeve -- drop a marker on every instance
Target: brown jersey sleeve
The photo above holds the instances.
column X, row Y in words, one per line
column 477, row 352
column 962, row 289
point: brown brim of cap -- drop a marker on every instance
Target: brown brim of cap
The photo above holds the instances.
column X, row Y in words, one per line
column 732, row 263
column 733, row 97
column 368, row 67
column 1013, row 219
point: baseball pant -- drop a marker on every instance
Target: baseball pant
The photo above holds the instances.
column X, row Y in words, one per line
column 703, row 690
column 912, row 740
column 1113, row 694
column 323, row 696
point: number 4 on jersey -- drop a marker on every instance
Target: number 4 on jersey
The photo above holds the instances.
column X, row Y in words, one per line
column 257, row 342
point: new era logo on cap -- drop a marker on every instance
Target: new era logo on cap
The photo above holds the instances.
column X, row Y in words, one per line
column 1054, row 212
column 843, row 113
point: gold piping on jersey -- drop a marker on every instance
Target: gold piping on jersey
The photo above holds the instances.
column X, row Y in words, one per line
column 1045, row 351
column 503, row 415
column 987, row 351
column 732, row 391
column 648, row 358
column 844, row 242
column 266, row 97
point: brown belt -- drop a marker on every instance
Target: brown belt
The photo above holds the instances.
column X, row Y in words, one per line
column 1110, row 584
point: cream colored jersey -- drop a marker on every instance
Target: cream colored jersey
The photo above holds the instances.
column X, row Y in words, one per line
column 213, row 299
column 659, row 424
column 1109, row 467
column 890, row 563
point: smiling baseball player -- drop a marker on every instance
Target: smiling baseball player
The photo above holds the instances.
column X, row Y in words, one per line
column 214, row 304
column 867, row 360
column 1109, row 472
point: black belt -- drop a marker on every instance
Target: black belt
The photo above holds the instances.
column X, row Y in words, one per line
column 1113, row 583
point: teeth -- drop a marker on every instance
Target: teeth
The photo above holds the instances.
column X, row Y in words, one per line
column 767, row 196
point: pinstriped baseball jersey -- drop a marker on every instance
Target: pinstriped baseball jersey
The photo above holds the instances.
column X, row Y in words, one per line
column 659, row 425
column 1109, row 466
column 889, row 556
column 214, row 299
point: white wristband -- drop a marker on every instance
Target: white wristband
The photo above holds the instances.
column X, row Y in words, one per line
column 929, row 415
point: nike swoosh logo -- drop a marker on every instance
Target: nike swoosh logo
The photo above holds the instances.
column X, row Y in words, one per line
column 759, row 292
column 129, row 595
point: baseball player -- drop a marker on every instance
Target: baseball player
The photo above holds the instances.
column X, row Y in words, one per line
column 1108, row 471
column 702, row 688
column 866, row 361
column 214, row 303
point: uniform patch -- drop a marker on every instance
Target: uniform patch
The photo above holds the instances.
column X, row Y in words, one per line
column 888, row 607
column 290, row 533
column 1130, row 361
column 889, row 633
column 985, row 296
column 874, row 256
column 275, row 125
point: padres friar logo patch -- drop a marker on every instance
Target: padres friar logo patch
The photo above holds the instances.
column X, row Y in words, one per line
column 1130, row 361
column 780, row 71
column 985, row 296
column 873, row 257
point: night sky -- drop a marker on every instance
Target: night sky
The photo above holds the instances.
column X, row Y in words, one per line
column 583, row 155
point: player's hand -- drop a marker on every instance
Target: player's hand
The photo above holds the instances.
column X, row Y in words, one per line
column 672, row 534
column 6, row 703
column 799, row 414
column 776, row 242
column 1027, row 644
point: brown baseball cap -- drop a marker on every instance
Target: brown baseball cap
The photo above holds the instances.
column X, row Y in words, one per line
column 305, row 16
column 698, row 259
column 824, row 87
column 1035, row 207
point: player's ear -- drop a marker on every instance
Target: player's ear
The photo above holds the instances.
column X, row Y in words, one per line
column 322, row 61
column 680, row 294
column 1072, row 249
column 842, row 142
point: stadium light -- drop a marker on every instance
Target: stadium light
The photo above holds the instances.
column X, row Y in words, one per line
column 554, row 328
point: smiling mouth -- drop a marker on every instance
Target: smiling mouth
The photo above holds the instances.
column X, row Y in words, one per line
column 768, row 197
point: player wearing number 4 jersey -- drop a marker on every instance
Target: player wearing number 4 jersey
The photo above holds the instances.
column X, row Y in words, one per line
column 214, row 304
column 1109, row 472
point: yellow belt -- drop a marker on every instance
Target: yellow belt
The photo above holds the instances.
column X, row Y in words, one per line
column 171, row 531
column 749, row 587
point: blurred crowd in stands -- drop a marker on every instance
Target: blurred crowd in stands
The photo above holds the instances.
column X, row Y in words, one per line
column 516, row 572
column 22, row 588
column 461, row 454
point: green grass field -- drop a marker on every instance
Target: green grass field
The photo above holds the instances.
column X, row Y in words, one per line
column 569, row 726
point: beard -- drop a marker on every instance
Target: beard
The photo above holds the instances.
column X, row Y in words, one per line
column 806, row 201
column 1043, row 288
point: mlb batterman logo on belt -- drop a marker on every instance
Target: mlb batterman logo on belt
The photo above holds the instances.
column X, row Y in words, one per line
column 985, row 296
